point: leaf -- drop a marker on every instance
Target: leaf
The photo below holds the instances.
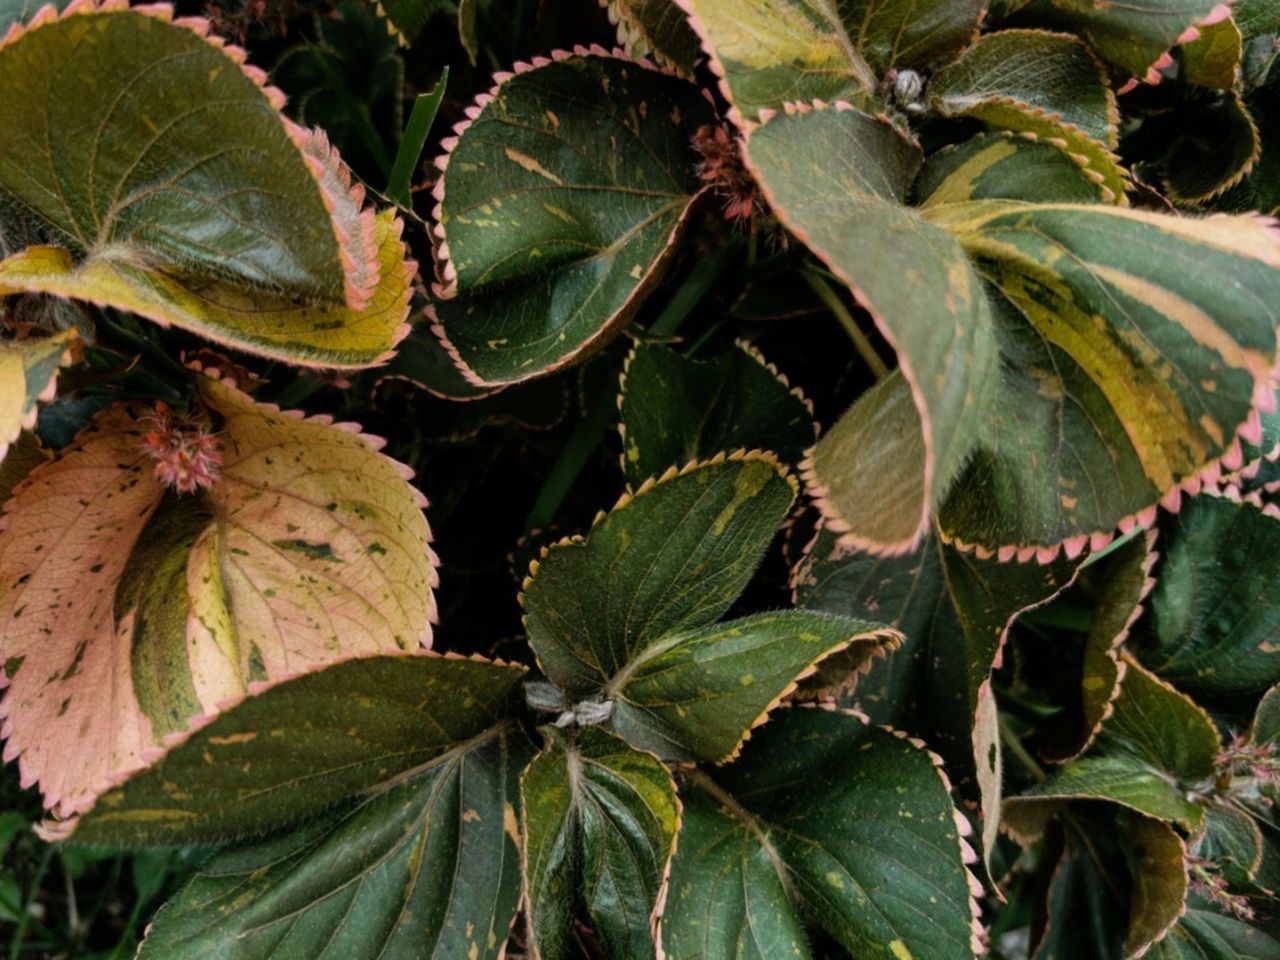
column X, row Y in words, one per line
column 346, row 729
column 1266, row 719
column 1212, row 147
column 657, row 28
column 1214, row 628
column 1082, row 289
column 1159, row 882
column 870, row 849
column 407, row 18
column 1132, row 37
column 1156, row 745
column 425, row 867
column 128, row 610
column 837, row 178
column 1002, row 166
column 1255, row 17
column 144, row 203
column 676, row 410
column 672, row 557
column 1048, row 85
column 955, row 612
column 1120, row 581
column 28, row 375
column 770, row 52
column 547, row 253
column 1204, row 934
column 312, row 335
column 600, row 826
column 697, row 695
column 1233, row 841
column 1213, row 58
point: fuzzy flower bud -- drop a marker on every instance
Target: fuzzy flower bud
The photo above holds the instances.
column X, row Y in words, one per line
column 186, row 453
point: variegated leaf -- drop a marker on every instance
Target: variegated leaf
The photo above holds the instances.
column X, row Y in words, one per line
column 838, row 179
column 179, row 192
column 129, row 609
column 28, row 375
column 1043, row 84
column 559, row 204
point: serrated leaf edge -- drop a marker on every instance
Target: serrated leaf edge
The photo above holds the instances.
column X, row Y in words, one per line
column 633, row 39
column 746, row 347
column 357, row 296
column 54, row 830
column 1153, row 76
column 1203, row 480
column 1234, row 179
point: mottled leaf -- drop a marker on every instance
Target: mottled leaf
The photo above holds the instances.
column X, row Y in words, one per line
column 771, row 52
column 1003, row 167
column 426, row 867
column 1126, row 369
column 129, row 609
column 869, row 849
column 28, row 375
column 670, row 558
column 559, row 203
column 837, row 178
column 1159, row 882
column 600, row 823
column 656, row 28
column 344, row 730
column 954, row 611
column 697, row 695
column 676, row 410
column 1040, row 83
column 1133, row 37
column 1213, row 58
column 1214, row 628
column 182, row 194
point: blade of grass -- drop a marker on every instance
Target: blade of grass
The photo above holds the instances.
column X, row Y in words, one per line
column 421, row 119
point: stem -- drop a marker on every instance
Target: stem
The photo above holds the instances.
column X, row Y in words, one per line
column 692, row 291
column 833, row 303
column 24, row 916
column 578, row 449
column 1014, row 745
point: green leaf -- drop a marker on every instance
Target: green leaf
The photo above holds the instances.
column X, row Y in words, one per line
column 1205, row 934
column 426, row 866
column 655, row 28
column 1118, row 583
column 295, row 545
column 21, row 11
column 184, row 194
column 1155, row 746
column 1233, row 841
column 1266, row 720
column 1003, row 167
column 837, row 178
column 676, row 410
column 1212, row 147
column 1213, row 58
column 600, row 824
column 1157, row 862
column 771, row 52
column 670, row 558
column 1214, row 628
column 559, row 204
column 1048, row 85
column 1129, row 36
column 697, row 695
column 826, row 818
column 344, row 730
column 1256, row 17
column 954, row 611
column 407, row 18
column 1069, row 451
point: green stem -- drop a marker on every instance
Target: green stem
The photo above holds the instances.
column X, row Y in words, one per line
column 582, row 443
column 833, row 303
column 1013, row 744
column 691, row 292
column 24, row 915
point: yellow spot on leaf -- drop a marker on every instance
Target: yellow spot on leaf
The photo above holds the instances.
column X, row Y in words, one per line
column 532, row 165
column 899, row 950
